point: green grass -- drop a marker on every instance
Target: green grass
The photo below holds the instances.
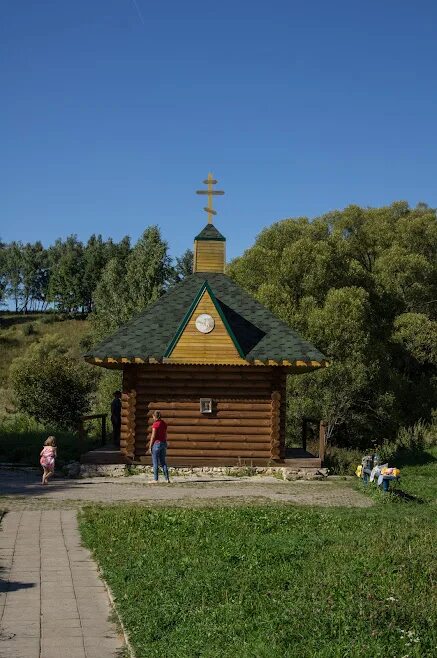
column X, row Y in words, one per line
column 268, row 582
column 23, row 448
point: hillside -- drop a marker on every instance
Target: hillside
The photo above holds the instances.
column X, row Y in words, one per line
column 18, row 331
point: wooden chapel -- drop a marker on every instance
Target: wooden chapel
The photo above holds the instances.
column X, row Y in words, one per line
column 213, row 360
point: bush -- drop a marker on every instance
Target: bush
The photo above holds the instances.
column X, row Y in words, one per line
column 342, row 461
column 86, row 342
column 50, row 384
column 50, row 318
column 29, row 329
column 109, row 381
column 19, row 423
column 412, row 440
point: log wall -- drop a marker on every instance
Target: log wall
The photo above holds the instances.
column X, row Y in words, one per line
column 128, row 413
column 248, row 419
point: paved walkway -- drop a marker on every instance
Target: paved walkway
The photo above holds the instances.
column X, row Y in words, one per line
column 52, row 602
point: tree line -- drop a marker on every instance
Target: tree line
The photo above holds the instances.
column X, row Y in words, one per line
column 66, row 275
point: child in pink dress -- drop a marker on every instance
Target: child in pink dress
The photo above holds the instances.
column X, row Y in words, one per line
column 47, row 458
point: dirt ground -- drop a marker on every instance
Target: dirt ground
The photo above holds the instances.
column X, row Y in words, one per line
column 22, row 490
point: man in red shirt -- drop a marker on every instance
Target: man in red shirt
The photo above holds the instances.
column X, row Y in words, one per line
column 158, row 446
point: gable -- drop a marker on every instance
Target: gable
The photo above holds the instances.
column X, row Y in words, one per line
column 216, row 346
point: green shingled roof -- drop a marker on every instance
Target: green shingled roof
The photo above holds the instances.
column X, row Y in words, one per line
column 210, row 233
column 259, row 333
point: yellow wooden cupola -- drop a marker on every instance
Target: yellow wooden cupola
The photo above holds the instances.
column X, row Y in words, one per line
column 210, row 244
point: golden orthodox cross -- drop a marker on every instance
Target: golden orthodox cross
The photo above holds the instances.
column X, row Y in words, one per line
column 210, row 192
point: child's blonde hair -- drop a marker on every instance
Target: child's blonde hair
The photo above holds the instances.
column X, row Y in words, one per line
column 50, row 441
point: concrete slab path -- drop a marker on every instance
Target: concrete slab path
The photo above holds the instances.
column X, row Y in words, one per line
column 52, row 601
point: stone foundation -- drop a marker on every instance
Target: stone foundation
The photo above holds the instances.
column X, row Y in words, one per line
column 281, row 472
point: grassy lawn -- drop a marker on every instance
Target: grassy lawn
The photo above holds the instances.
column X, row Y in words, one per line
column 269, row 582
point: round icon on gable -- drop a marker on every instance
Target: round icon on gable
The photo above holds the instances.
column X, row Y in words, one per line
column 205, row 323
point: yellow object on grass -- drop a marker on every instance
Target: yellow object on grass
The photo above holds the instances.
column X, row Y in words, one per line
column 359, row 471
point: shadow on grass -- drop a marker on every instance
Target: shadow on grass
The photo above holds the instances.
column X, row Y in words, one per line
column 394, row 495
column 7, row 321
column 9, row 341
column 406, row 497
column 408, row 458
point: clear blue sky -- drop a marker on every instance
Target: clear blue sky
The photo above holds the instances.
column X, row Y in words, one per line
column 113, row 111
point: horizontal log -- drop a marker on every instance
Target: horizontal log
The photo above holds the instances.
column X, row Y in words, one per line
column 230, row 441
column 210, row 391
column 171, row 414
column 219, row 405
column 210, row 421
column 223, row 454
column 216, row 445
column 217, row 453
column 213, row 423
column 203, row 381
column 188, row 436
column 233, row 380
column 246, row 375
column 174, row 430
column 189, row 395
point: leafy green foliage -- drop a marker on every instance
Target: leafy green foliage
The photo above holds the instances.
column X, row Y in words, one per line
column 183, row 267
column 128, row 286
column 409, row 441
column 109, row 381
column 270, row 581
column 361, row 284
column 51, row 384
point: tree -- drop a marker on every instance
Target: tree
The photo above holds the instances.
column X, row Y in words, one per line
column 66, row 287
column 96, row 254
column 183, row 267
column 51, row 384
column 13, row 272
column 147, row 271
column 131, row 281
column 362, row 285
column 34, row 275
column 128, row 286
column 110, row 308
column 3, row 277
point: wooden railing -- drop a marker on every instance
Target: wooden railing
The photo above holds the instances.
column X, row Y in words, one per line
column 82, row 433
